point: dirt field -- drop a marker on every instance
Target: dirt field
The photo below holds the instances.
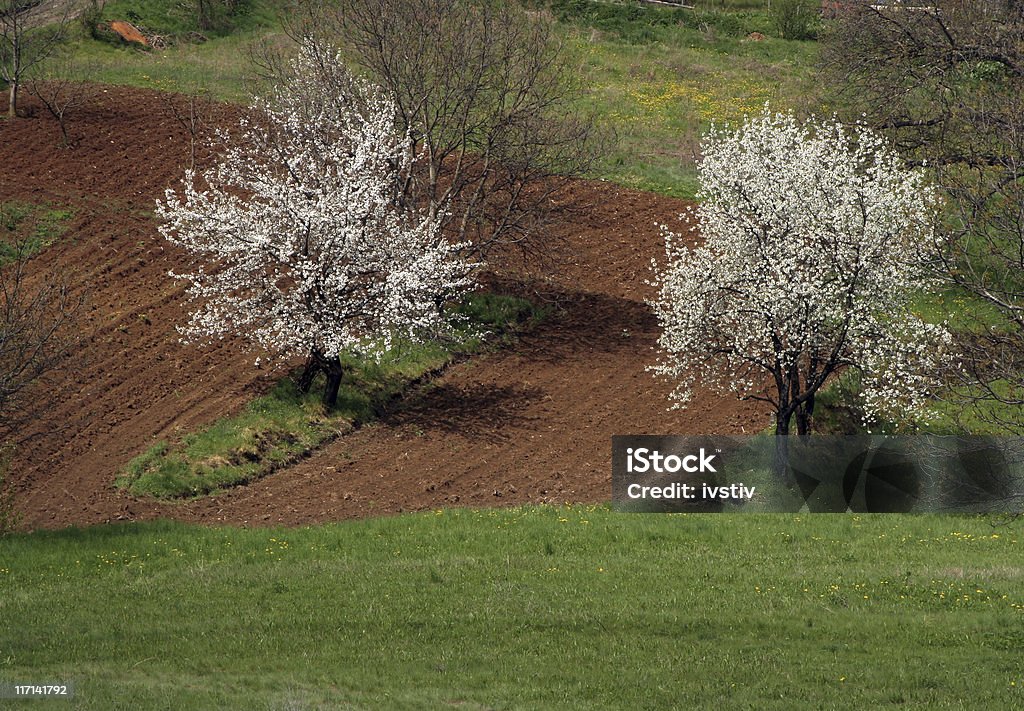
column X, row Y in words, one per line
column 532, row 424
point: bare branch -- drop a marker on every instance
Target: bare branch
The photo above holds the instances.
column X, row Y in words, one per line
column 482, row 89
column 24, row 45
column 36, row 336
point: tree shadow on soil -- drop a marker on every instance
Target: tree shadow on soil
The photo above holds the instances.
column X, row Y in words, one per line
column 583, row 325
column 589, row 323
column 484, row 411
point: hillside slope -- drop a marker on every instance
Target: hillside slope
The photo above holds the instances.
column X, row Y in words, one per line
column 529, row 424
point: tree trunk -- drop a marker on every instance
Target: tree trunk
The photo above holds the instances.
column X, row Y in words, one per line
column 204, row 15
column 12, row 109
column 334, row 373
column 780, row 465
column 804, row 416
column 318, row 363
column 314, row 364
column 782, row 420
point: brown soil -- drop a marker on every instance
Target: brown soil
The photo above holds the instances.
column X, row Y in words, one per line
column 528, row 424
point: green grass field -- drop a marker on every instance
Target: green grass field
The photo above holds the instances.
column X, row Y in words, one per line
column 656, row 77
column 549, row 607
column 659, row 85
column 27, row 228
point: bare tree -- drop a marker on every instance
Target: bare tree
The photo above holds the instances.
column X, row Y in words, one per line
column 945, row 79
column 36, row 336
column 940, row 76
column 192, row 111
column 482, row 88
column 24, row 45
column 9, row 517
column 36, row 315
column 215, row 14
column 62, row 88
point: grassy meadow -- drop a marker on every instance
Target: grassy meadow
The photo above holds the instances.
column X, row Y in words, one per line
column 654, row 77
column 524, row 608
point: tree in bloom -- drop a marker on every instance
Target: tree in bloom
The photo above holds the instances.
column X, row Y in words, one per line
column 811, row 255
column 307, row 248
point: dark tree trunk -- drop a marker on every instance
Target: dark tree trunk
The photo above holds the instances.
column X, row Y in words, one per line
column 782, row 420
column 804, row 416
column 334, row 373
column 318, row 363
column 314, row 364
column 203, row 10
column 780, row 465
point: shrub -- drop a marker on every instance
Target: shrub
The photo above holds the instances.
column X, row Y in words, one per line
column 795, row 19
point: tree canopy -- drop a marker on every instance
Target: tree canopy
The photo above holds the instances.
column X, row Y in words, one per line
column 811, row 242
column 305, row 247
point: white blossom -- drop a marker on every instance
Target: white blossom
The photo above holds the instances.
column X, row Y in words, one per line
column 306, row 246
column 813, row 236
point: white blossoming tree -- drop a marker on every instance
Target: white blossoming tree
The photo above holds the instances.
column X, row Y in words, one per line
column 811, row 240
column 306, row 246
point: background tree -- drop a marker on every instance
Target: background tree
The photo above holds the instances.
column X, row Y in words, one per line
column 192, row 111
column 61, row 88
column 217, row 15
column 482, row 89
column 23, row 46
column 306, row 247
column 795, row 19
column 36, row 336
column 946, row 83
column 811, row 234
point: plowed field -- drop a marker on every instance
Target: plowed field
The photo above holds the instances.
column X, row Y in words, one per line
column 531, row 423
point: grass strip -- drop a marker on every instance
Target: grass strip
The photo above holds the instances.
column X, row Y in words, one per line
column 28, row 228
column 284, row 425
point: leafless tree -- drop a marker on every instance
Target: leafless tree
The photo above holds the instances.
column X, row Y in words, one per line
column 946, row 79
column 192, row 111
column 36, row 336
column 9, row 517
column 62, row 87
column 483, row 89
column 24, row 45
column 215, row 15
